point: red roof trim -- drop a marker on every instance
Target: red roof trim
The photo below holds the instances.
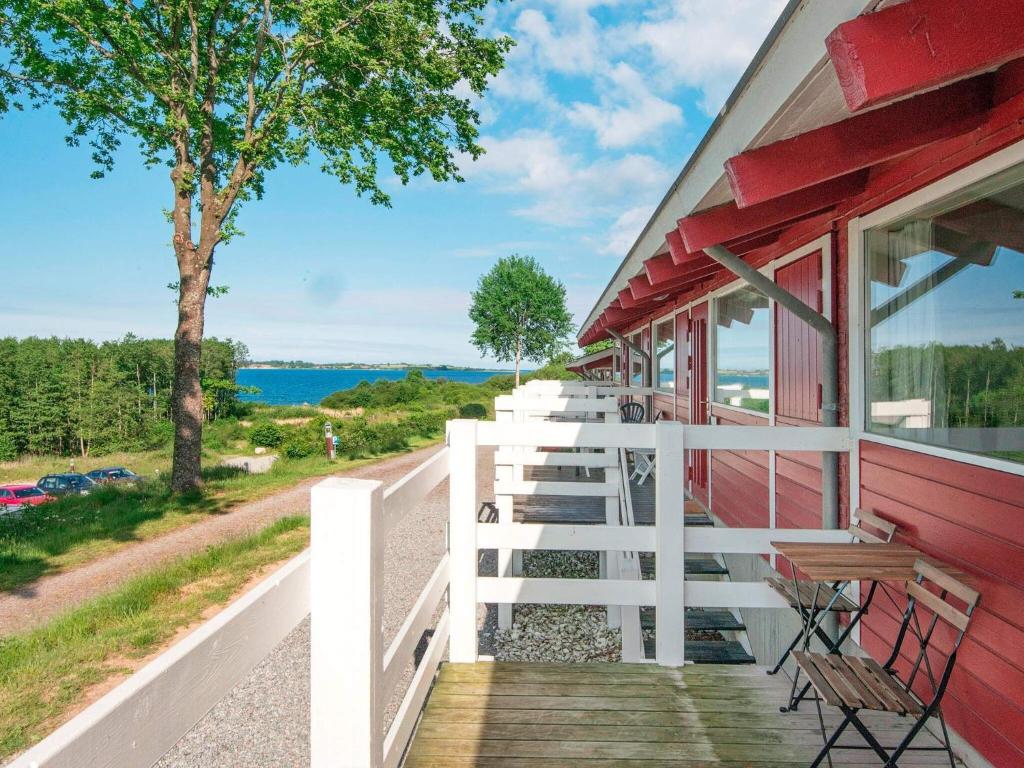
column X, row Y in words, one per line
column 922, row 44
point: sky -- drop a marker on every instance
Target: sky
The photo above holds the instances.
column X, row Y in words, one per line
column 599, row 107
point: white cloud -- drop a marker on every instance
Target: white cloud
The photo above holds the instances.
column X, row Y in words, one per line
column 563, row 187
column 571, row 45
column 705, row 44
column 628, row 112
column 624, row 232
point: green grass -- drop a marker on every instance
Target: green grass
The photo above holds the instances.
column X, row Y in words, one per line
column 45, row 673
column 76, row 530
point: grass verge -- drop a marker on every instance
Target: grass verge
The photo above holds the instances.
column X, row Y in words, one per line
column 45, row 673
column 77, row 530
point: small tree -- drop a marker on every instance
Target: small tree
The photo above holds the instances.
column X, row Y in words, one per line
column 520, row 313
column 221, row 91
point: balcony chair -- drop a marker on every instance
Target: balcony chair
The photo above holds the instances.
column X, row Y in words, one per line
column 829, row 598
column 853, row 684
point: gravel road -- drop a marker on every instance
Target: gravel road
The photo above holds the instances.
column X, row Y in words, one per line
column 34, row 603
column 264, row 721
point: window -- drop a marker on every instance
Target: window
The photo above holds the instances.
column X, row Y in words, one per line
column 742, row 354
column 636, row 363
column 665, row 355
column 945, row 322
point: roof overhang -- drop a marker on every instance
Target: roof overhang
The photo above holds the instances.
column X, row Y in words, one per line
column 802, row 131
column 789, row 74
column 602, row 359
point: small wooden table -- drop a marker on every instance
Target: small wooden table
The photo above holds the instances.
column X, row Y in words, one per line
column 839, row 565
column 855, row 561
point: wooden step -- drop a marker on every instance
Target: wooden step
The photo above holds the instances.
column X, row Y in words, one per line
column 709, row 652
column 708, row 620
column 694, row 566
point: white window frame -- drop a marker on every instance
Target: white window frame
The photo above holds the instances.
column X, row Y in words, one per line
column 972, row 174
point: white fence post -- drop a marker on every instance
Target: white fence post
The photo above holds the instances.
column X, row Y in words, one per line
column 612, row 510
column 346, row 654
column 462, row 524
column 503, row 503
column 670, row 554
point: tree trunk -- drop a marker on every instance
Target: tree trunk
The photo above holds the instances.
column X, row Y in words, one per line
column 519, row 355
column 186, row 392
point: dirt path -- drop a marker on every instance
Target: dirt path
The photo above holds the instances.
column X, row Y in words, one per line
column 34, row 603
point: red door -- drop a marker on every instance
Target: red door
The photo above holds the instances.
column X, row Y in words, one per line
column 699, row 411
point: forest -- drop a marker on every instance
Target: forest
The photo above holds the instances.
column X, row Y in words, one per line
column 77, row 397
column 978, row 385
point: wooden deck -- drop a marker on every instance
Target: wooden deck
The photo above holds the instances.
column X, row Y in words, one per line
column 506, row 715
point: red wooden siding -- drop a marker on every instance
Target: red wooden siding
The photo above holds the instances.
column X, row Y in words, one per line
column 972, row 517
column 797, row 347
column 739, row 479
column 663, row 403
column 797, row 382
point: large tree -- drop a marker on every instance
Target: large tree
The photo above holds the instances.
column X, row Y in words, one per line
column 221, row 91
column 519, row 311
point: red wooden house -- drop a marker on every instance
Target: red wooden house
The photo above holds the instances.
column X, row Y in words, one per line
column 870, row 163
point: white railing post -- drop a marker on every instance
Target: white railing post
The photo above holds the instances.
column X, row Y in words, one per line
column 612, row 507
column 462, row 524
column 503, row 503
column 670, row 554
column 346, row 655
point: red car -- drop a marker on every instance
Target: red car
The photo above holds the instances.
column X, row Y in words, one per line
column 14, row 497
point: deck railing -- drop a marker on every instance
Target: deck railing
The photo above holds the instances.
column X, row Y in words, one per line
column 353, row 677
column 668, row 538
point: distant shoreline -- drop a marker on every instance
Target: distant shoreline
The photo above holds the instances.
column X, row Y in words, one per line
column 365, row 367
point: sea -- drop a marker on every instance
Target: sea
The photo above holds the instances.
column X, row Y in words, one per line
column 296, row 386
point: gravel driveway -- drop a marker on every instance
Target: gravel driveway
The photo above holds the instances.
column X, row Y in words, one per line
column 264, row 721
column 34, row 603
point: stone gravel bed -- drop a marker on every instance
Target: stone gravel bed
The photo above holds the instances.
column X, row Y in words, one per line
column 559, row 633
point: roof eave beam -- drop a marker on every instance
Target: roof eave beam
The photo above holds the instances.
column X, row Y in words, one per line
column 922, row 44
column 858, row 142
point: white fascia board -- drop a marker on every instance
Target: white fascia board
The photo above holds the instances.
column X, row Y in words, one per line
column 797, row 51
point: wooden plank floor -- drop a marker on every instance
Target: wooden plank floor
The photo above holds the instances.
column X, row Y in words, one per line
column 518, row 715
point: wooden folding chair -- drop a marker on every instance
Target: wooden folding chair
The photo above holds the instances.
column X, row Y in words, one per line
column 853, row 684
column 830, row 597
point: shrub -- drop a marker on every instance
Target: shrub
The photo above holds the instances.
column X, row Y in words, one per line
column 267, row 435
column 300, row 446
column 473, row 411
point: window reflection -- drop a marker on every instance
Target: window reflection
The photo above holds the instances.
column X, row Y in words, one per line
column 742, row 350
column 665, row 354
column 945, row 351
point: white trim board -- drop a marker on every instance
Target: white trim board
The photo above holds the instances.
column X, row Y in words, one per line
column 142, row 718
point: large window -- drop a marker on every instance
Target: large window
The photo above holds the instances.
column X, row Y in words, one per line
column 945, row 322
column 665, row 355
column 742, row 342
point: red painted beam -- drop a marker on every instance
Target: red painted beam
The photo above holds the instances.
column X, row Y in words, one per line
column 638, row 285
column 922, row 44
column 619, row 316
column 726, row 223
column 646, row 293
column 857, row 142
column 626, row 300
column 661, row 268
column 678, row 249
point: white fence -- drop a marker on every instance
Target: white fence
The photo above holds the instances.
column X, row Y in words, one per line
column 141, row 719
column 668, row 538
column 353, row 678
